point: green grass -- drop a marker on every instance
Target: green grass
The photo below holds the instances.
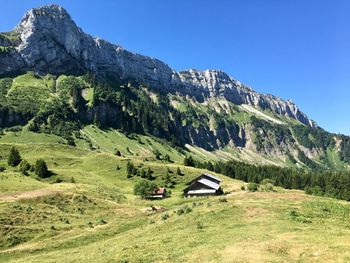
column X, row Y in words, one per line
column 140, row 146
column 96, row 217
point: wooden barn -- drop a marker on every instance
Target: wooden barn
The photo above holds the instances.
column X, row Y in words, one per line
column 203, row 185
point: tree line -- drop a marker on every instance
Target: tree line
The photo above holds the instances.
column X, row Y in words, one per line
column 323, row 183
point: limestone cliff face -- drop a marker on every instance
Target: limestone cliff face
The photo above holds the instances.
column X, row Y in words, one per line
column 50, row 42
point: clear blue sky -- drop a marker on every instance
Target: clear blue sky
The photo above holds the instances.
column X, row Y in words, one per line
column 295, row 49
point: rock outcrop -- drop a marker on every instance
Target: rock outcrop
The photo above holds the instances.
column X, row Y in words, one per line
column 50, row 42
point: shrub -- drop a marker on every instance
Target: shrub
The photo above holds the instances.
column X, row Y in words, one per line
column 14, row 158
column 188, row 209
column 178, row 171
column 24, row 167
column 41, row 169
column 180, row 211
column 242, row 187
column 223, row 200
column 2, row 168
column 200, row 225
column 165, row 216
column 252, row 187
column 268, row 187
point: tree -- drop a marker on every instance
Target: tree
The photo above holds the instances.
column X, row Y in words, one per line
column 41, row 169
column 144, row 189
column 14, row 158
column 130, row 169
column 188, row 161
column 167, row 158
column 149, row 174
column 178, row 171
column 97, row 122
column 24, row 167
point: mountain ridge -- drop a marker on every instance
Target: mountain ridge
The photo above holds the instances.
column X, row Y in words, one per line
column 57, row 79
column 51, row 42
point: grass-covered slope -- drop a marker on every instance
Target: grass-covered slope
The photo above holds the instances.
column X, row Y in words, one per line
column 86, row 211
column 213, row 129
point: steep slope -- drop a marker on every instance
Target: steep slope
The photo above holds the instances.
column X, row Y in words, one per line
column 50, row 42
column 57, row 79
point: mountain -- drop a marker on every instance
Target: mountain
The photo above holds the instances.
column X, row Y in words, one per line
column 58, row 79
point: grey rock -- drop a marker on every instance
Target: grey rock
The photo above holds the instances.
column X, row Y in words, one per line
column 50, row 42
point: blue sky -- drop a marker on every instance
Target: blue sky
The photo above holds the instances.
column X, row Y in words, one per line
column 295, row 49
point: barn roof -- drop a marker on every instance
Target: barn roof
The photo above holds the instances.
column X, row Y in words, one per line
column 159, row 191
column 212, row 176
column 209, row 183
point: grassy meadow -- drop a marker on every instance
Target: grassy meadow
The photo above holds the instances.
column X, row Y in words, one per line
column 87, row 212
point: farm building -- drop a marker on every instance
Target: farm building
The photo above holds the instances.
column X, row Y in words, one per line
column 159, row 193
column 203, row 185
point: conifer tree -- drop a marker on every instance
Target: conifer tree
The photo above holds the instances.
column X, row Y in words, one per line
column 14, row 158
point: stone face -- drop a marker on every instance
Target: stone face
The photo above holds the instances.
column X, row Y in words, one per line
column 50, row 42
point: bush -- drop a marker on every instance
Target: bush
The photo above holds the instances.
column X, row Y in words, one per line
column 24, row 167
column 41, row 169
column 200, row 225
column 252, row 187
column 165, row 216
column 267, row 188
column 2, row 168
column 14, row 158
column 242, row 187
column 223, row 200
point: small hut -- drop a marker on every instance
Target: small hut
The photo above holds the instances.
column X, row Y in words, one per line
column 159, row 193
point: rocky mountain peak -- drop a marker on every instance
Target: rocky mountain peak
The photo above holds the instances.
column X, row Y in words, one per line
column 51, row 42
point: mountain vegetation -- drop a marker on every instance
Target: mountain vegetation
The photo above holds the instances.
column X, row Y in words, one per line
column 89, row 130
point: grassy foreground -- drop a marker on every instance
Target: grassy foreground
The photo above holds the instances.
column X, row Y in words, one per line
column 86, row 212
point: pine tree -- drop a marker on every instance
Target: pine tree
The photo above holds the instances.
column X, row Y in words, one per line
column 14, row 158
column 41, row 169
column 178, row 171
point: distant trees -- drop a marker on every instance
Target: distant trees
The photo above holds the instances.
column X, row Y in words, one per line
column 326, row 183
column 14, row 159
column 345, row 149
column 188, row 161
column 144, row 189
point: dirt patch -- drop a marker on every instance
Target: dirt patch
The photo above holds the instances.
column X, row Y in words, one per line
column 29, row 194
column 252, row 212
column 153, row 209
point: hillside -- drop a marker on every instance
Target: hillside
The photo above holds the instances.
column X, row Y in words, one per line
column 87, row 211
column 57, row 79
column 105, row 122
